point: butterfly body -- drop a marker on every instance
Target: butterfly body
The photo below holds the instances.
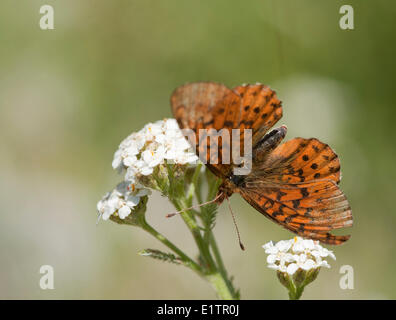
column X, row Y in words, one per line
column 236, row 183
column 295, row 183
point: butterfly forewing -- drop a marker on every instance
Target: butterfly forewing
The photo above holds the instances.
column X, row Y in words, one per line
column 260, row 108
column 208, row 105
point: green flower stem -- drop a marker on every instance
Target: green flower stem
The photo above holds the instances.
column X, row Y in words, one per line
column 191, row 263
column 216, row 274
column 210, row 265
column 221, row 266
column 217, row 279
column 222, row 291
column 178, row 198
column 295, row 292
column 196, row 182
column 196, row 232
column 220, row 285
column 194, row 186
column 217, row 255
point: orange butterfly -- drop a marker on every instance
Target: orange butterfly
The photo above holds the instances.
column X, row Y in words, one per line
column 295, row 184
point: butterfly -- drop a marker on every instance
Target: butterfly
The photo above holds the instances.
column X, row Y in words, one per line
column 294, row 183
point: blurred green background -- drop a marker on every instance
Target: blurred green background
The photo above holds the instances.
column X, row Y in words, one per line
column 69, row 96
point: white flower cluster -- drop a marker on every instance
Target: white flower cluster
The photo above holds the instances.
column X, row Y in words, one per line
column 297, row 253
column 139, row 154
column 121, row 201
column 156, row 143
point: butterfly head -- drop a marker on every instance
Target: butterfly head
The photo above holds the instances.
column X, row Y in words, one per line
column 229, row 187
column 226, row 190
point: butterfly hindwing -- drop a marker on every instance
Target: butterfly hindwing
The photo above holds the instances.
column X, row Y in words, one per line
column 290, row 218
column 300, row 160
column 296, row 186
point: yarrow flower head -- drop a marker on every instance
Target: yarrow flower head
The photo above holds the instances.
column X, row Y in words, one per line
column 297, row 253
column 297, row 262
column 156, row 144
column 146, row 157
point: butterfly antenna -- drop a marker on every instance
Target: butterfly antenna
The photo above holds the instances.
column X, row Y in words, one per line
column 236, row 226
column 194, row 207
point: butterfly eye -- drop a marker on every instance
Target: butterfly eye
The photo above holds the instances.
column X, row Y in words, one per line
column 237, row 180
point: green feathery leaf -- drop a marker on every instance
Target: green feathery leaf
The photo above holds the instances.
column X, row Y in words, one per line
column 164, row 256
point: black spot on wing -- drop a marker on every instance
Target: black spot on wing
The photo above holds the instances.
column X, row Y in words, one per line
column 304, row 192
column 279, row 195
